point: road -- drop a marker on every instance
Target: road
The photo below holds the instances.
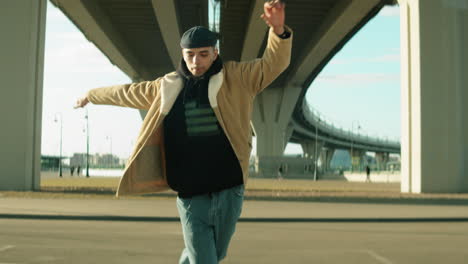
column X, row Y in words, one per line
column 147, row 231
column 58, row 241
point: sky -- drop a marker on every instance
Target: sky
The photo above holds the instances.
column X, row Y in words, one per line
column 359, row 88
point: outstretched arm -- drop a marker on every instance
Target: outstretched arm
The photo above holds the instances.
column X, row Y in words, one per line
column 135, row 95
column 81, row 102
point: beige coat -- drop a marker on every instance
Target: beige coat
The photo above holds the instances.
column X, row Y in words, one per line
column 231, row 93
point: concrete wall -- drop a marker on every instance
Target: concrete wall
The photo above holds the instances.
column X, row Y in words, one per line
column 381, row 176
column 292, row 167
column 22, row 25
column 434, row 63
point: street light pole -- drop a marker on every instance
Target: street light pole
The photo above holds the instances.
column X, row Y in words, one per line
column 60, row 157
column 351, row 153
column 316, row 145
column 352, row 142
column 87, row 143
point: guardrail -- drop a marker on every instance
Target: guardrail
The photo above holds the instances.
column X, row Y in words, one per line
column 315, row 118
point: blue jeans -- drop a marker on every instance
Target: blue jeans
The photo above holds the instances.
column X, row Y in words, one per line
column 208, row 223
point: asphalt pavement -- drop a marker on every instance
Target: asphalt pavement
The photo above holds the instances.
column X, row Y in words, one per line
column 164, row 209
column 147, row 231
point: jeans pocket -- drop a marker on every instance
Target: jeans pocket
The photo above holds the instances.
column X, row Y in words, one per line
column 239, row 190
column 184, row 203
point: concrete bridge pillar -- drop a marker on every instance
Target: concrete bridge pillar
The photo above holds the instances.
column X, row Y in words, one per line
column 357, row 159
column 382, row 159
column 271, row 115
column 326, row 157
column 308, row 147
column 434, row 98
column 22, row 24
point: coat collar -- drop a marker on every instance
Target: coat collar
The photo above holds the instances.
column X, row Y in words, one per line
column 172, row 84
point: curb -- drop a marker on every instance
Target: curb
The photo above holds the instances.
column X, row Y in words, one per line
column 242, row 219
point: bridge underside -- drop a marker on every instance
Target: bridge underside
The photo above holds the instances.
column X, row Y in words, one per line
column 434, row 61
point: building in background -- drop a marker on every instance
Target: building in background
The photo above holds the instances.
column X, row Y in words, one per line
column 97, row 160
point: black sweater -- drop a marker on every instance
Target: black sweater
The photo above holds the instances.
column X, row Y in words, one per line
column 199, row 156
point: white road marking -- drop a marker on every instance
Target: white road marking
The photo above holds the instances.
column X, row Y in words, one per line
column 5, row 248
column 378, row 257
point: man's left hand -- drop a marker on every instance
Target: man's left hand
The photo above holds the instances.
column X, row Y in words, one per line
column 273, row 15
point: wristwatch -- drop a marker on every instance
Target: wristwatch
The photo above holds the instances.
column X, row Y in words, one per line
column 286, row 34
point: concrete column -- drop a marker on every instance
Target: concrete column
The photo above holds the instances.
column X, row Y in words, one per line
column 357, row 158
column 326, row 157
column 308, row 147
column 271, row 115
column 22, row 25
column 382, row 159
column 434, row 98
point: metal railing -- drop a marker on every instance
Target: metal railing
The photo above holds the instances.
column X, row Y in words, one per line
column 316, row 118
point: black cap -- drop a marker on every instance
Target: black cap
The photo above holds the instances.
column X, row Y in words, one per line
column 198, row 37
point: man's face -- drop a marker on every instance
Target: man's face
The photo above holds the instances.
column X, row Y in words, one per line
column 199, row 60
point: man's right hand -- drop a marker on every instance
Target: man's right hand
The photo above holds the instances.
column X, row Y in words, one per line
column 82, row 102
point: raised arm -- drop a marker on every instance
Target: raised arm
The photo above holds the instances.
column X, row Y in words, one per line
column 273, row 15
column 259, row 73
column 135, row 95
